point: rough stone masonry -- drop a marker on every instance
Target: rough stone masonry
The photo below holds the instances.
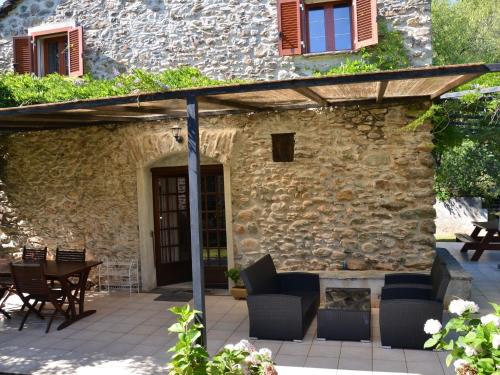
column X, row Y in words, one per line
column 223, row 38
column 359, row 193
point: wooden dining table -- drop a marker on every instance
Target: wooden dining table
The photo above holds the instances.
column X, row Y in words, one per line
column 490, row 241
column 62, row 272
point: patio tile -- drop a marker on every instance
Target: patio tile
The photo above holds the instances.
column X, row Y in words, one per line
column 388, row 354
column 324, row 351
column 144, row 350
column 364, row 353
column 420, row 355
column 107, row 336
column 358, row 364
column 67, row 344
column 292, row 348
column 321, row 362
column 291, row 360
column 381, row 367
column 131, row 338
column 425, row 368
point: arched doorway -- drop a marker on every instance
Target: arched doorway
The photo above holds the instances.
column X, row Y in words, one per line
column 172, row 249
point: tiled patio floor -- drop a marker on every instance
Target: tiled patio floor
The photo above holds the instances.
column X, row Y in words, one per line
column 128, row 335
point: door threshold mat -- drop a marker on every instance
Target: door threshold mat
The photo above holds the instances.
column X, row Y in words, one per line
column 184, row 294
column 174, row 295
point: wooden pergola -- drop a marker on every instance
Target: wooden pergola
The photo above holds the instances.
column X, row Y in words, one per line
column 421, row 84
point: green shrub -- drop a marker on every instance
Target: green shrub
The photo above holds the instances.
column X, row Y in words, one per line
column 190, row 358
column 26, row 89
column 476, row 351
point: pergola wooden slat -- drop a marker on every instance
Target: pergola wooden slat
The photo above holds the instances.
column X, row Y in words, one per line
column 421, row 84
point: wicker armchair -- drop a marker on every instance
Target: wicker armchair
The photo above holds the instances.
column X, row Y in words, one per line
column 281, row 306
column 404, row 311
column 419, row 280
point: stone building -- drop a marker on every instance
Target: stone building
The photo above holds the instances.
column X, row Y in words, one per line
column 356, row 195
column 224, row 39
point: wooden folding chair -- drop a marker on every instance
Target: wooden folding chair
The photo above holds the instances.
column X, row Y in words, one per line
column 30, row 283
column 4, row 294
column 33, row 254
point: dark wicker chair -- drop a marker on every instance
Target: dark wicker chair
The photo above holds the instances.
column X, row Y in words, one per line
column 31, row 254
column 419, row 280
column 281, row 306
column 31, row 284
column 404, row 311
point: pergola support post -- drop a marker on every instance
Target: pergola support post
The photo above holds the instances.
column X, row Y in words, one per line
column 194, row 174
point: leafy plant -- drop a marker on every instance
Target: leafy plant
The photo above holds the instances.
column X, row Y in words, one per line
column 25, row 89
column 390, row 53
column 190, row 358
column 477, row 349
column 234, row 275
column 465, row 31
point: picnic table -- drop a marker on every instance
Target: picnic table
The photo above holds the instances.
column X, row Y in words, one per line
column 62, row 272
column 491, row 241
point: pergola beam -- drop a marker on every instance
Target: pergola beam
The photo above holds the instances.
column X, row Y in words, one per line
column 381, row 88
column 230, row 103
column 194, row 176
column 313, row 95
column 453, row 83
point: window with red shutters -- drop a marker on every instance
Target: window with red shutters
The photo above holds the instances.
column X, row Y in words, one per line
column 365, row 24
column 290, row 33
column 323, row 26
column 75, row 48
column 52, row 50
column 23, row 54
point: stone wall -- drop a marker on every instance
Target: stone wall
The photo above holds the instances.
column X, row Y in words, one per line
column 225, row 39
column 358, row 195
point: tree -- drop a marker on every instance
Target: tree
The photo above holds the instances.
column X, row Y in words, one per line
column 465, row 31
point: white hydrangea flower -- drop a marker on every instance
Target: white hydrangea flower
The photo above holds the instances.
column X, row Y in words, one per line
column 266, row 353
column 470, row 351
column 244, row 345
column 459, row 363
column 491, row 318
column 432, row 326
column 230, row 347
column 496, row 341
column 460, row 306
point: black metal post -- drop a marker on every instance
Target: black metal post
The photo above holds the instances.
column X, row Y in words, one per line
column 195, row 213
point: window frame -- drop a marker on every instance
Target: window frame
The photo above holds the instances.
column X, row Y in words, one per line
column 329, row 26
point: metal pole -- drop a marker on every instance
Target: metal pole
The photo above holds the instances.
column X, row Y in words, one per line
column 195, row 213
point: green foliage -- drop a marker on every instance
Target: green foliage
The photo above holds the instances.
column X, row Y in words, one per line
column 190, row 358
column 477, row 345
column 26, row 89
column 390, row 53
column 465, row 31
column 467, row 145
column 486, row 80
column 469, row 169
column 234, row 275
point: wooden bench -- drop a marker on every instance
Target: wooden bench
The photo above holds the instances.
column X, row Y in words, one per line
column 465, row 238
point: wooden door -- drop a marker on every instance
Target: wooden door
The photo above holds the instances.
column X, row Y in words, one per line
column 172, row 229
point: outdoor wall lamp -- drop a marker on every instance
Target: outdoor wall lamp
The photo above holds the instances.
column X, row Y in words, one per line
column 176, row 130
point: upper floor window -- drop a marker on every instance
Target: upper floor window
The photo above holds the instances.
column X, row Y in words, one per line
column 316, row 26
column 47, row 50
column 328, row 28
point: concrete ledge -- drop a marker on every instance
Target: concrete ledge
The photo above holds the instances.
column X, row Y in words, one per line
column 460, row 284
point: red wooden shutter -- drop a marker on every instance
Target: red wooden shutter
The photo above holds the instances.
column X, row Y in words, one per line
column 365, row 23
column 75, row 48
column 23, row 54
column 289, row 19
